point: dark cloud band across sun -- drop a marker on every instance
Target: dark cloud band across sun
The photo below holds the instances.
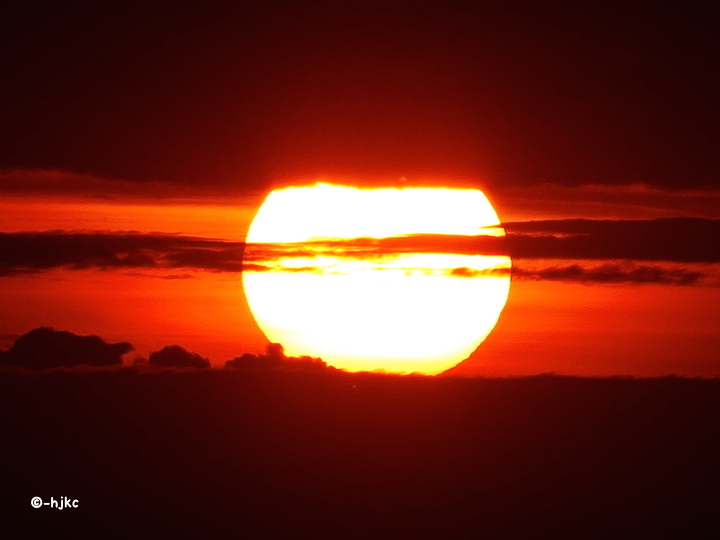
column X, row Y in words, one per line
column 35, row 252
column 671, row 239
column 688, row 241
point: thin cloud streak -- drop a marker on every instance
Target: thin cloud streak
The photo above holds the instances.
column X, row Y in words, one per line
column 39, row 182
column 626, row 273
column 612, row 273
column 23, row 253
column 597, row 201
column 623, row 201
column 672, row 239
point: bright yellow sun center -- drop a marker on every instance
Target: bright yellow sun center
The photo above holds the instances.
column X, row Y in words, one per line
column 320, row 279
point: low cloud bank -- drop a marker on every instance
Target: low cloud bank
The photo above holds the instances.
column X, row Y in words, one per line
column 46, row 348
column 274, row 358
column 175, row 356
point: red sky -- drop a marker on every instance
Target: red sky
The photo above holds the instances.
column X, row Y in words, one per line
column 179, row 121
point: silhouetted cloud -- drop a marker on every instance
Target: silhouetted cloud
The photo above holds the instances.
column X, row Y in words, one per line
column 274, row 358
column 175, row 356
column 34, row 252
column 626, row 272
column 464, row 272
column 686, row 240
column 252, row 361
column 263, row 257
column 612, row 273
column 620, row 272
column 671, row 239
column 45, row 348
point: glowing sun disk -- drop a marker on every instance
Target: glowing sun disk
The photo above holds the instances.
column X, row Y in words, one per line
column 402, row 312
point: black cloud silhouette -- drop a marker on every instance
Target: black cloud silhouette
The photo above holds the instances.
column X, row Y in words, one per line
column 45, row 348
column 252, row 361
column 34, row 252
column 670, row 239
column 673, row 240
column 626, row 272
column 612, row 273
column 175, row 356
column 274, row 358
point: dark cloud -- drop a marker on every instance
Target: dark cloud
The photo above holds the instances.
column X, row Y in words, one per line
column 685, row 240
column 34, row 252
column 471, row 273
column 175, row 356
column 612, row 273
column 372, row 248
column 620, row 272
column 274, row 358
column 45, row 348
column 628, row 201
column 671, row 239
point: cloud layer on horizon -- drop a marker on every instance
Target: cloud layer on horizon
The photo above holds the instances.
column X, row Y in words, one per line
column 46, row 348
column 275, row 358
column 175, row 356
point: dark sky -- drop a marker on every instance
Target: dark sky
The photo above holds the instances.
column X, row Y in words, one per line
column 234, row 95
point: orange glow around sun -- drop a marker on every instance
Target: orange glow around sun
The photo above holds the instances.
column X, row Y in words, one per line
column 368, row 310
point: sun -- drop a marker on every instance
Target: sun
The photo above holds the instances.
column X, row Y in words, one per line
column 371, row 279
